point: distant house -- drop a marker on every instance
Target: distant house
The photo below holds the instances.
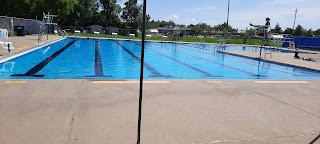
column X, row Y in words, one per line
column 236, row 36
column 186, row 31
column 174, row 30
column 94, row 28
column 153, row 32
column 163, row 30
column 112, row 29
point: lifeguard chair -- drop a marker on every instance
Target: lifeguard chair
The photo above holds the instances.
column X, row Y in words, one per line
column 264, row 33
column 46, row 22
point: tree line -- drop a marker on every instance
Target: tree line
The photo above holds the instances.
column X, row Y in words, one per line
column 298, row 31
column 77, row 12
column 110, row 13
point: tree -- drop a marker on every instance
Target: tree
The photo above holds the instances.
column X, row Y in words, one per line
column 309, row 33
column 222, row 27
column 83, row 13
column 299, row 31
column 34, row 8
column 288, row 31
column 250, row 32
column 130, row 13
column 140, row 19
column 277, row 29
column 317, row 33
column 15, row 8
column 110, row 11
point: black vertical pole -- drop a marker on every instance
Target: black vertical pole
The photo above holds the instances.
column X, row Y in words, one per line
column 47, row 31
column 228, row 14
column 141, row 68
column 294, row 22
column 226, row 28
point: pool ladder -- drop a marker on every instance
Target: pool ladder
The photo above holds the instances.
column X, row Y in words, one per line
column 267, row 51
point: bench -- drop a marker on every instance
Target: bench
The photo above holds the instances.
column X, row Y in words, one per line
column 114, row 35
column 132, row 36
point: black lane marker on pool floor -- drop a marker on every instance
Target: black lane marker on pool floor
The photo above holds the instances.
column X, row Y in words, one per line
column 154, row 72
column 236, row 59
column 189, row 66
column 98, row 70
column 252, row 74
column 38, row 67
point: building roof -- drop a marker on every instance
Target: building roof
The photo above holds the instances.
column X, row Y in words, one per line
column 96, row 26
column 162, row 28
column 153, row 30
column 173, row 28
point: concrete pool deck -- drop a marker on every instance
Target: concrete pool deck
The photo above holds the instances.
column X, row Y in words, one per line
column 188, row 111
column 24, row 43
column 174, row 111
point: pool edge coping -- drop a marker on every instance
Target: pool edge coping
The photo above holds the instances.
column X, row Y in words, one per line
column 266, row 60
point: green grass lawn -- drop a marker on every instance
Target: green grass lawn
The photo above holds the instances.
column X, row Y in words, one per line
column 250, row 41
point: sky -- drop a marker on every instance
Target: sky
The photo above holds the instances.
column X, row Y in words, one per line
column 242, row 12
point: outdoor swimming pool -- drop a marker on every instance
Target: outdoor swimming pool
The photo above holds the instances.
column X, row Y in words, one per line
column 116, row 59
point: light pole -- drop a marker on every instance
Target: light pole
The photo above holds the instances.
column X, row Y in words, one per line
column 294, row 22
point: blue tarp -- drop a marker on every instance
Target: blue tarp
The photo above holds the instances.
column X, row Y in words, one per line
column 305, row 43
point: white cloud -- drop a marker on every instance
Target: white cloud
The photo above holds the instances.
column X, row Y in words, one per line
column 205, row 8
column 280, row 11
column 284, row 2
column 242, row 12
column 173, row 16
column 191, row 20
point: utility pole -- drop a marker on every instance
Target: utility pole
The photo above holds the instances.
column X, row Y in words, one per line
column 294, row 22
column 228, row 13
column 226, row 29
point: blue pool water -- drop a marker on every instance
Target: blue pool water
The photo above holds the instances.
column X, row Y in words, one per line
column 108, row 59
